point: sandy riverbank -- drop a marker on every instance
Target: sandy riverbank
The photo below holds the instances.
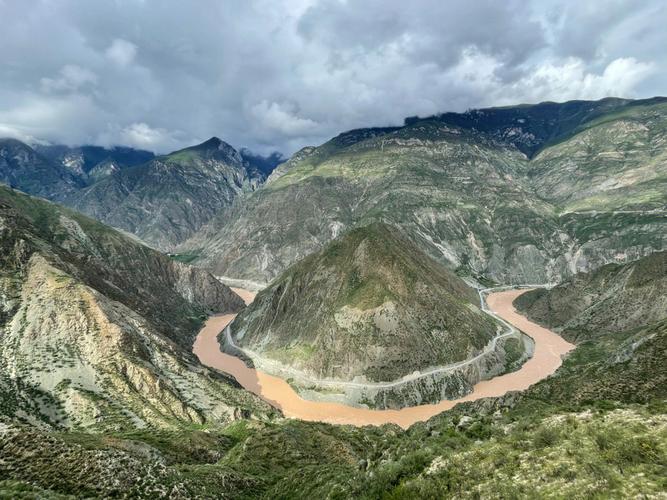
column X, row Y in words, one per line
column 549, row 348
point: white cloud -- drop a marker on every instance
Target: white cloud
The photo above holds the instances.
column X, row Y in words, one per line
column 71, row 77
column 267, row 74
column 122, row 52
column 571, row 79
column 282, row 118
column 142, row 136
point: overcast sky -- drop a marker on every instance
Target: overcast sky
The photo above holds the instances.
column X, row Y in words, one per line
column 271, row 74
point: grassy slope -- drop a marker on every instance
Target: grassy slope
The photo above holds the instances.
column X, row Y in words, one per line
column 437, row 183
column 367, row 298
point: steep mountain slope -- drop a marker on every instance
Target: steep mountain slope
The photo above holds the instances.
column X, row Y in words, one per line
column 618, row 317
column 617, row 162
column 450, row 192
column 359, row 305
column 92, row 163
column 372, row 307
column 23, row 168
column 611, row 299
column 165, row 200
column 463, row 192
column 96, row 329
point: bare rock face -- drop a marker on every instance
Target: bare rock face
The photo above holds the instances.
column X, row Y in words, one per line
column 95, row 328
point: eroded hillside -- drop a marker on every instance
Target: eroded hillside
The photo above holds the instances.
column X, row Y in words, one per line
column 96, row 328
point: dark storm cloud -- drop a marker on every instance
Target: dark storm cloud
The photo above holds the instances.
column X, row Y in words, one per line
column 266, row 74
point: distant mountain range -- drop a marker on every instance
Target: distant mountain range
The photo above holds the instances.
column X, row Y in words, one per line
column 162, row 200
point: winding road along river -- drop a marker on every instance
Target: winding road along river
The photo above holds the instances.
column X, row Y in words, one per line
column 549, row 348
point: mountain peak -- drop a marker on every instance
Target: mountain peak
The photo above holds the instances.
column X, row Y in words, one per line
column 213, row 147
column 213, row 142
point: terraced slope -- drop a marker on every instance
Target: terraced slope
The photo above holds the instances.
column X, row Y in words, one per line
column 466, row 193
column 95, row 329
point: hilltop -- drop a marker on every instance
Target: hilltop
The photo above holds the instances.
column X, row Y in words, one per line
column 354, row 310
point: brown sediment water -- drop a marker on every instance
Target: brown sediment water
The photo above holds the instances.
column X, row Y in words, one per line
column 549, row 348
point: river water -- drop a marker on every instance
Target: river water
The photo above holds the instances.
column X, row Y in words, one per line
column 549, row 349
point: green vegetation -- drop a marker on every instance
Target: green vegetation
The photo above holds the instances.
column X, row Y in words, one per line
column 185, row 258
column 358, row 305
column 603, row 450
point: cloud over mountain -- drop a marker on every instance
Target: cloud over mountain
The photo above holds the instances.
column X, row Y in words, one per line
column 279, row 75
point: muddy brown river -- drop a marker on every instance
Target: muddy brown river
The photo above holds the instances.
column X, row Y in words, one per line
column 549, row 349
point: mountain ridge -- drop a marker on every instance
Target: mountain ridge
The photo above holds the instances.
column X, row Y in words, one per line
column 471, row 200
